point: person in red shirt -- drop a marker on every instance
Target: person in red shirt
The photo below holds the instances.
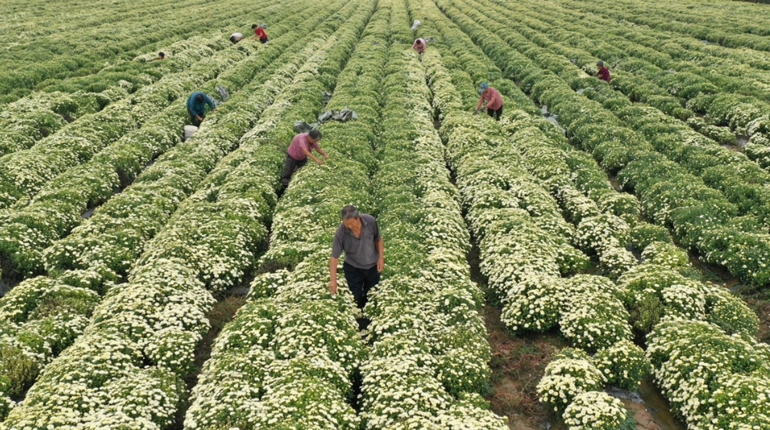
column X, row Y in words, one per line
column 603, row 73
column 494, row 101
column 259, row 33
column 298, row 153
column 419, row 46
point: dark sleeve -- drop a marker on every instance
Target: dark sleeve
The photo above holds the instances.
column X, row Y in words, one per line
column 376, row 230
column 210, row 102
column 337, row 244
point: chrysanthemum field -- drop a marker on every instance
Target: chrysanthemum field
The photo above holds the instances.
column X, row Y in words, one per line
column 602, row 239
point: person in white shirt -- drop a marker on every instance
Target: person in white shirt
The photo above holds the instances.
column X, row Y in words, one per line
column 236, row 37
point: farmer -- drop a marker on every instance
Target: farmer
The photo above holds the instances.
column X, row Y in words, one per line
column 161, row 56
column 419, row 46
column 298, row 152
column 196, row 107
column 603, row 73
column 236, row 37
column 494, row 101
column 259, row 33
column 359, row 236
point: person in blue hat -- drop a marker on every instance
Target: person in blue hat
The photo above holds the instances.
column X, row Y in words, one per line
column 494, row 101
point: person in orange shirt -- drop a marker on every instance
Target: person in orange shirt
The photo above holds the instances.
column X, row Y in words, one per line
column 494, row 101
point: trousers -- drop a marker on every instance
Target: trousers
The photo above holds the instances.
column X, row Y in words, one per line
column 193, row 118
column 288, row 169
column 495, row 113
column 360, row 281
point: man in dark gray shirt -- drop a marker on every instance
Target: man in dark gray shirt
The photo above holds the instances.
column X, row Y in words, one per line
column 359, row 236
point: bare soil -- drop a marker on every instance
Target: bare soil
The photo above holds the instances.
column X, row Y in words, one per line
column 644, row 420
column 517, row 365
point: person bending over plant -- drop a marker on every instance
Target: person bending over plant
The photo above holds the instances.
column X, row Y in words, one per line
column 196, row 107
column 603, row 73
column 494, row 101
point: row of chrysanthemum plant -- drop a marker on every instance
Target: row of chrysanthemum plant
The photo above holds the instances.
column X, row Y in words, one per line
column 429, row 359
column 184, row 245
column 55, row 200
column 69, row 48
column 700, row 217
column 731, row 104
column 292, row 353
column 30, row 119
column 656, row 290
column 529, row 259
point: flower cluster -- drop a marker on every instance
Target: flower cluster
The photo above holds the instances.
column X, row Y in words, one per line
column 573, row 373
column 652, row 291
column 624, row 364
column 592, row 316
column 594, row 410
column 665, row 254
column 713, row 380
column 567, row 378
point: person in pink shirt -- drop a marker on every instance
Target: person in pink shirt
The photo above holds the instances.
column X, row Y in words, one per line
column 419, row 46
column 494, row 101
column 298, row 153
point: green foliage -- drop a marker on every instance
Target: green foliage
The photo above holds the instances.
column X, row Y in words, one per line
column 624, row 364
